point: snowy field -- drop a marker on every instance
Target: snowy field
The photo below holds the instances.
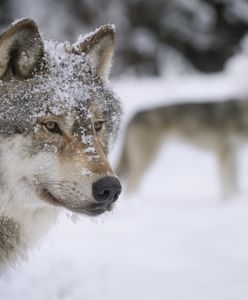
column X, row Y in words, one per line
column 174, row 239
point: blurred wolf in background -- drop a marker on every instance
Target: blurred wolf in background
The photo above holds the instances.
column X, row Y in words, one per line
column 218, row 126
column 58, row 119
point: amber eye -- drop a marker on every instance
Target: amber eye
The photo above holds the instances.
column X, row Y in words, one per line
column 98, row 125
column 52, row 127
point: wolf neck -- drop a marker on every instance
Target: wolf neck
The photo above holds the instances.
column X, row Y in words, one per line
column 20, row 229
column 9, row 238
column 24, row 218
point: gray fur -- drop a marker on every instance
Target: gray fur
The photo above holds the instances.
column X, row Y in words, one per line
column 9, row 238
column 41, row 171
column 56, row 88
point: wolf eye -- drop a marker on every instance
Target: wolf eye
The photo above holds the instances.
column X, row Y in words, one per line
column 52, row 127
column 98, row 125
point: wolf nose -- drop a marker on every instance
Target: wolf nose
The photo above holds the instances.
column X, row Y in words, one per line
column 106, row 189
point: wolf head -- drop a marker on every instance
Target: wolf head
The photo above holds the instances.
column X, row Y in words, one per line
column 58, row 119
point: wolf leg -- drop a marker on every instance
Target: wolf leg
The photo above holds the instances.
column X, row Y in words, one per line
column 142, row 146
column 228, row 170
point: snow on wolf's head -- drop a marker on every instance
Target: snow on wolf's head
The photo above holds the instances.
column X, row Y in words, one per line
column 58, row 119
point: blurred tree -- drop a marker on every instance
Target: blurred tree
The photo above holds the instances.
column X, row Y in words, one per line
column 205, row 32
column 5, row 13
column 208, row 33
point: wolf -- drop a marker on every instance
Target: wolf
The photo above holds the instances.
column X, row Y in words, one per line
column 58, row 120
column 221, row 127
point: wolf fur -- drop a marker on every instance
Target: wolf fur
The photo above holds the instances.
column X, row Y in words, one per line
column 218, row 126
column 58, row 119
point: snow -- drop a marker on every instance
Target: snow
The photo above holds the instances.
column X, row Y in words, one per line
column 82, row 38
column 173, row 239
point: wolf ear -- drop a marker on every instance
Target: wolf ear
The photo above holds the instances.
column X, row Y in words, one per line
column 21, row 48
column 99, row 46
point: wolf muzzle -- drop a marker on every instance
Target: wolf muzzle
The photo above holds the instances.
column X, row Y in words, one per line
column 106, row 189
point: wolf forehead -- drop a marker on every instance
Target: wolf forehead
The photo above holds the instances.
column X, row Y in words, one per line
column 65, row 83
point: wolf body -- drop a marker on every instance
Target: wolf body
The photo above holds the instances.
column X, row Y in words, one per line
column 58, row 119
column 218, row 126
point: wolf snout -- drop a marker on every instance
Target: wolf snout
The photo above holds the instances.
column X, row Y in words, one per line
column 107, row 189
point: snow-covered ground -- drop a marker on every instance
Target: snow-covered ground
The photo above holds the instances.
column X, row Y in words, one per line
column 174, row 239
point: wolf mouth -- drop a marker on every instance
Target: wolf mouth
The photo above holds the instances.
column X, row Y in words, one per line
column 96, row 209
column 48, row 197
column 93, row 209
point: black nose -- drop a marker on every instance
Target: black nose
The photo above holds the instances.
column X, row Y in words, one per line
column 106, row 189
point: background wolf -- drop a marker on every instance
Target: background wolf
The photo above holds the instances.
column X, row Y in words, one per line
column 58, row 119
column 218, row 126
